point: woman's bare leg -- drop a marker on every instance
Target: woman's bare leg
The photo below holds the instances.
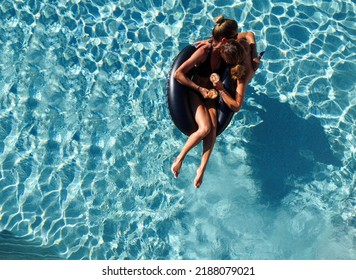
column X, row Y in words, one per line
column 208, row 145
column 203, row 120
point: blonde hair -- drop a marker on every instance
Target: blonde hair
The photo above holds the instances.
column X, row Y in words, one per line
column 224, row 28
column 234, row 54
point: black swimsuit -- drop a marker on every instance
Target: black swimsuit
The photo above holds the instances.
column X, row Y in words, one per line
column 204, row 69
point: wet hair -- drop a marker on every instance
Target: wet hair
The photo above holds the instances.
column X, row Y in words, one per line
column 224, row 28
column 234, row 54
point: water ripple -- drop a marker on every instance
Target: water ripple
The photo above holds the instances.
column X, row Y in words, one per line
column 86, row 140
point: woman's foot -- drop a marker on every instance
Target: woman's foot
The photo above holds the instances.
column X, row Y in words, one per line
column 199, row 178
column 177, row 164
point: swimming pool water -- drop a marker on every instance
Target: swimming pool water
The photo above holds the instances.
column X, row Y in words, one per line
column 86, row 141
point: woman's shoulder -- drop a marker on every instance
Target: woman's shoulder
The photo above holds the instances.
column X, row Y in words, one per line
column 204, row 49
column 245, row 44
column 201, row 53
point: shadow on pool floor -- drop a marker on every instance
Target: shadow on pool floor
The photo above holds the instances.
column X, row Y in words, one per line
column 285, row 146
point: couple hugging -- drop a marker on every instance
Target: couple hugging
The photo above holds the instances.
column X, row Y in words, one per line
column 226, row 48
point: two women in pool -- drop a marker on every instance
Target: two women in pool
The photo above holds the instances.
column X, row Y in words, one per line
column 226, row 47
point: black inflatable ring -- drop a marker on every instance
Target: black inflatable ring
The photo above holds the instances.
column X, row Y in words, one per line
column 178, row 98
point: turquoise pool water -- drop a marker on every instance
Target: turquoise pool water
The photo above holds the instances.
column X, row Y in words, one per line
column 86, row 141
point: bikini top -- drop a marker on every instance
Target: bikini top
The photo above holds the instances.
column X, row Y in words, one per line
column 204, row 69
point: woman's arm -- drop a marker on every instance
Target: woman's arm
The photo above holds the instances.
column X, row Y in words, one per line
column 180, row 74
column 233, row 104
column 250, row 38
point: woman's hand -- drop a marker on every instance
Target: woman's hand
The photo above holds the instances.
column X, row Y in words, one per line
column 204, row 92
column 202, row 43
column 218, row 85
column 256, row 63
